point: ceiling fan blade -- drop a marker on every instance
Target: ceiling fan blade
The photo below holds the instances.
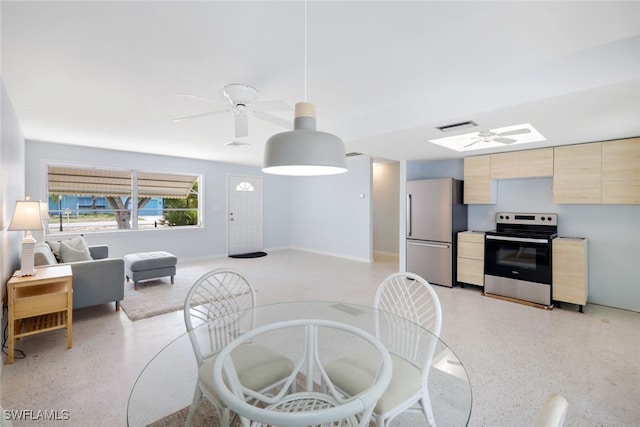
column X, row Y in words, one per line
column 242, row 124
column 505, row 140
column 515, row 132
column 273, row 119
column 195, row 116
column 270, row 106
column 473, row 143
column 201, row 98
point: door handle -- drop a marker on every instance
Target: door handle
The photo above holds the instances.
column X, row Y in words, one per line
column 409, row 216
column 431, row 245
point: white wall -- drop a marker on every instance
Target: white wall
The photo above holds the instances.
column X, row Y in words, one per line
column 12, row 186
column 613, row 230
column 386, row 216
column 332, row 214
column 210, row 240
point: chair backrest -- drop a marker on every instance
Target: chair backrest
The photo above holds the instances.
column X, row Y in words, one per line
column 212, row 298
column 553, row 412
column 412, row 297
column 409, row 296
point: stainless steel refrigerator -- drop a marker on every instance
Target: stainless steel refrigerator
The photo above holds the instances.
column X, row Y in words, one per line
column 435, row 214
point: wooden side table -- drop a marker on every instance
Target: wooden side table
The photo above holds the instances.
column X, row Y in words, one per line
column 39, row 303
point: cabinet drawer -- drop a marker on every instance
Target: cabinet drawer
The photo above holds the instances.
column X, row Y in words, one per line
column 471, row 250
column 471, row 236
column 41, row 304
column 471, row 271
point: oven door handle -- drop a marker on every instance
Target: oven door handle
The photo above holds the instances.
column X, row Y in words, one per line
column 516, row 239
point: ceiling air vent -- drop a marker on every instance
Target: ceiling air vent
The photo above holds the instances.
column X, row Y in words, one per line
column 457, row 126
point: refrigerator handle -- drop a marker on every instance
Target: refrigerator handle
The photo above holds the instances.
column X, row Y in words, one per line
column 409, row 216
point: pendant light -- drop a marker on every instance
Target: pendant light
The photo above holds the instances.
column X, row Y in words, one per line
column 304, row 151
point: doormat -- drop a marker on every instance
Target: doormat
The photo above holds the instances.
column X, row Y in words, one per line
column 249, row 255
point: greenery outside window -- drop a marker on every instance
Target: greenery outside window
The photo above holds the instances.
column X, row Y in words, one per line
column 90, row 199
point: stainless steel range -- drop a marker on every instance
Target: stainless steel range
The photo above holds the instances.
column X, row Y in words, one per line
column 517, row 256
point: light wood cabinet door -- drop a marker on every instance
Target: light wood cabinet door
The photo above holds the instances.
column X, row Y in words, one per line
column 536, row 163
column 505, row 165
column 522, row 164
column 570, row 270
column 621, row 171
column 577, row 173
column 470, row 258
column 478, row 186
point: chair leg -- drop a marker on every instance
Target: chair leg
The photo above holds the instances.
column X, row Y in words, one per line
column 197, row 395
column 426, row 408
column 224, row 417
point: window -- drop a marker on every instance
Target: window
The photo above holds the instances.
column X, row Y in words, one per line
column 89, row 199
column 245, row 186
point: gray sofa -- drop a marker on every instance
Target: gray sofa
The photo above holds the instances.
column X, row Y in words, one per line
column 98, row 281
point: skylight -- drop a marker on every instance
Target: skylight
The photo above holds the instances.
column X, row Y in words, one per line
column 498, row 137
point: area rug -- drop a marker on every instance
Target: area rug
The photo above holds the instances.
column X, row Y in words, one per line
column 249, row 255
column 159, row 296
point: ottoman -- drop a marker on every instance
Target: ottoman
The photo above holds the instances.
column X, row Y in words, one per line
column 149, row 265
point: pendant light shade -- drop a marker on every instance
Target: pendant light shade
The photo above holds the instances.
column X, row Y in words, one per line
column 304, row 151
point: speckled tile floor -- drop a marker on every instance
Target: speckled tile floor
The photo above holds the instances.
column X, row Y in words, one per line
column 515, row 355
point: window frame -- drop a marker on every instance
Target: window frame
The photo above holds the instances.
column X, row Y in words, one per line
column 198, row 178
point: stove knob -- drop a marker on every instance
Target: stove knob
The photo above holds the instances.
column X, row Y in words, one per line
column 549, row 218
column 542, row 218
column 507, row 216
column 501, row 216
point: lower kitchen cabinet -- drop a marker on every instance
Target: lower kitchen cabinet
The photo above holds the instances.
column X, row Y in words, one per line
column 471, row 258
column 570, row 270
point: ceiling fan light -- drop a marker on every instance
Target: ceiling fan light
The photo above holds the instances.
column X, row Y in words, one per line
column 304, row 151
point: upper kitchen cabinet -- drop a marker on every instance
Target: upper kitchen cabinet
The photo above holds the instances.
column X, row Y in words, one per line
column 479, row 188
column 577, row 173
column 598, row 173
column 522, row 164
column 621, row 171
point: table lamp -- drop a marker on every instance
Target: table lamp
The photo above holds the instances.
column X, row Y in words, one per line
column 26, row 217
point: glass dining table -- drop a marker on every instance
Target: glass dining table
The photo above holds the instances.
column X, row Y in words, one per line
column 164, row 389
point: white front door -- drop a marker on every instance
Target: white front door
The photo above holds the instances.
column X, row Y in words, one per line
column 245, row 214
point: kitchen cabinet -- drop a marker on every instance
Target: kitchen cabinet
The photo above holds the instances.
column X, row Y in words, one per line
column 577, row 174
column 621, row 171
column 570, row 270
column 522, row 164
column 479, row 188
column 471, row 257
column 39, row 303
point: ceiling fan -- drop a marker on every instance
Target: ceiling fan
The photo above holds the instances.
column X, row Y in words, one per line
column 489, row 136
column 241, row 100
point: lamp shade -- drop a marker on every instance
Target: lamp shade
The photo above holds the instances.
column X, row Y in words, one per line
column 304, row 151
column 26, row 216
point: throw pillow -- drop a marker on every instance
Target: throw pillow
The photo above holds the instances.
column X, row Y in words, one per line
column 43, row 255
column 55, row 248
column 74, row 250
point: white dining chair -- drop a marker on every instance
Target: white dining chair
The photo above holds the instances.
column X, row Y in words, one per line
column 411, row 297
column 212, row 301
column 553, row 412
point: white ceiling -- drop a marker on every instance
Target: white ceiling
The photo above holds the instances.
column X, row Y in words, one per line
column 382, row 75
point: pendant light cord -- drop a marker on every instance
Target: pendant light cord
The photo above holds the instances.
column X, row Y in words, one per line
column 305, row 50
